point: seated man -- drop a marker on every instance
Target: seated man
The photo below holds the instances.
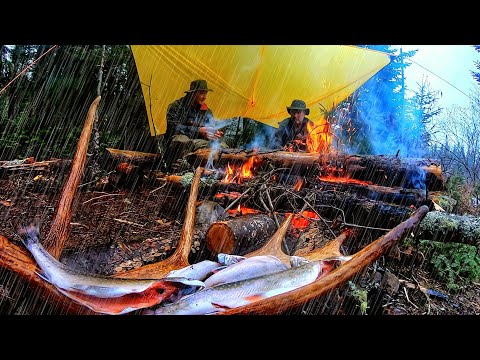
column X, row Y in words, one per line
column 190, row 124
column 292, row 132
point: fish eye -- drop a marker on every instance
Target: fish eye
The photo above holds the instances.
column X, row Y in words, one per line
column 160, row 290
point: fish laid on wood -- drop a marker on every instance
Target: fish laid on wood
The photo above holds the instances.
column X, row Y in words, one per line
column 246, row 269
column 228, row 259
column 102, row 294
column 239, row 293
column 198, row 271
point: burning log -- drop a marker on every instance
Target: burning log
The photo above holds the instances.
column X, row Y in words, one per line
column 239, row 234
column 360, row 260
column 381, row 170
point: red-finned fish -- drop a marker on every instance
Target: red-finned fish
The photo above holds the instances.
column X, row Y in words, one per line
column 239, row 293
column 250, row 267
column 102, row 294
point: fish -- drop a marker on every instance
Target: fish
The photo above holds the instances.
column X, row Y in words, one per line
column 248, row 268
column 227, row 259
column 198, row 271
column 102, row 294
column 211, row 300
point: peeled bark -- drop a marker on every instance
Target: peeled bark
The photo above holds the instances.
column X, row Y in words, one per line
column 60, row 229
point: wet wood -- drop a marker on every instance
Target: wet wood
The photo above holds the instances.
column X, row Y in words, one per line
column 60, row 229
column 19, row 261
column 332, row 248
column 236, row 235
column 390, row 171
column 135, row 157
column 360, row 260
column 444, row 227
column 38, row 165
column 179, row 258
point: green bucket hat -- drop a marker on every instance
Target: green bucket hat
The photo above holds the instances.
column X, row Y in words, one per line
column 298, row 105
column 198, row 85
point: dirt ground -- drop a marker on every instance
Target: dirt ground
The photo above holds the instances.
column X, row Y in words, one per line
column 118, row 228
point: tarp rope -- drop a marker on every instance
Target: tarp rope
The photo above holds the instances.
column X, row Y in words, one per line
column 29, row 66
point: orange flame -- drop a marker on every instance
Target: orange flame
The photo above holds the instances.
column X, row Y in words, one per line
column 243, row 210
column 300, row 222
column 319, row 137
column 344, row 180
column 240, row 173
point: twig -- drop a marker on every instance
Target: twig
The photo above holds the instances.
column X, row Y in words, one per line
column 236, row 200
column 101, row 196
column 129, row 222
column 151, row 192
column 406, row 294
column 273, row 209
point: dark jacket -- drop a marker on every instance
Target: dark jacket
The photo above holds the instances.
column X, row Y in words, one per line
column 286, row 132
column 183, row 118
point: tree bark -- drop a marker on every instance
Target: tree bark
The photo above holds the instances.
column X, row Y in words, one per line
column 444, row 227
column 238, row 235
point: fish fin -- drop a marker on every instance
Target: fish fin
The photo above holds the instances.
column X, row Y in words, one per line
column 214, row 271
column 43, row 276
column 186, row 281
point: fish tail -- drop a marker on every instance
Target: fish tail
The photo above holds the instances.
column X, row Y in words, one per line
column 29, row 233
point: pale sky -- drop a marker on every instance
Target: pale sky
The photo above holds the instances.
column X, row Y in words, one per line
column 450, row 62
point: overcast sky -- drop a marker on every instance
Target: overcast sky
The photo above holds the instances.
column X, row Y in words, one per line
column 449, row 62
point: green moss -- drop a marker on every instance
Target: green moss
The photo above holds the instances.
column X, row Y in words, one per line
column 455, row 264
column 361, row 296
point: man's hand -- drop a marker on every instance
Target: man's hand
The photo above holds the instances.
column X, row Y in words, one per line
column 210, row 133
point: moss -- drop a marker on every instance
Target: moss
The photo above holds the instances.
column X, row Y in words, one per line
column 360, row 295
column 455, row 264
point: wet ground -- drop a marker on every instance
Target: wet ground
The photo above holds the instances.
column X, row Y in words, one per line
column 118, row 228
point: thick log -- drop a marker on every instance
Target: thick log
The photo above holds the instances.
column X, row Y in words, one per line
column 381, row 170
column 445, row 227
column 360, row 260
column 179, row 258
column 239, row 234
column 19, row 261
column 60, row 229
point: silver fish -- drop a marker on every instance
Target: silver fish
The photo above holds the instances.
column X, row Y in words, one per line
column 227, row 259
column 101, row 293
column 245, row 269
column 297, row 261
column 239, row 293
column 198, row 271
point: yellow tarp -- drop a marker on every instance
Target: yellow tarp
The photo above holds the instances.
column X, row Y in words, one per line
column 254, row 81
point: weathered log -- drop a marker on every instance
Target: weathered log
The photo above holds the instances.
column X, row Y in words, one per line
column 332, row 248
column 360, row 260
column 60, row 229
column 445, row 227
column 381, row 170
column 179, row 258
column 133, row 157
column 19, row 261
column 239, row 234
column 38, row 165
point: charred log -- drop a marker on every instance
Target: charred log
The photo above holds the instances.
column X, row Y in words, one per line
column 381, row 170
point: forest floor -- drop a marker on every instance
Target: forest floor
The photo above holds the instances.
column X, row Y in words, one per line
column 114, row 229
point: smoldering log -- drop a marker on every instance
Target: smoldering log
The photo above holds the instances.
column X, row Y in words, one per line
column 445, row 227
column 133, row 157
column 390, row 171
column 239, row 235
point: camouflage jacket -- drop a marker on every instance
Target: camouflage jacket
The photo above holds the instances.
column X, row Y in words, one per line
column 183, row 118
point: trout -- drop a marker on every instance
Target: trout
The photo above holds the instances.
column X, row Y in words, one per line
column 243, row 292
column 102, row 294
column 245, row 269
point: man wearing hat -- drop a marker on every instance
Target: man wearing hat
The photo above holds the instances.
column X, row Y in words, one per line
column 292, row 131
column 190, row 124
